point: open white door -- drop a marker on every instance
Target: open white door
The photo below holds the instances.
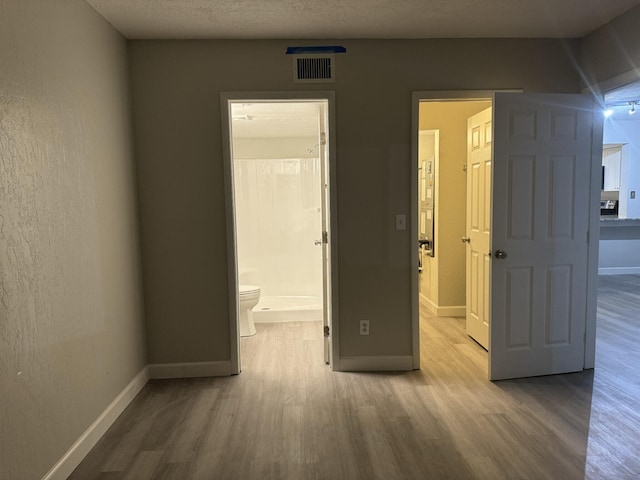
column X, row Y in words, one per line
column 323, row 124
column 540, row 218
column 478, row 230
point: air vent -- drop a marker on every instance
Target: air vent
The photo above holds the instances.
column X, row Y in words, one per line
column 313, row 69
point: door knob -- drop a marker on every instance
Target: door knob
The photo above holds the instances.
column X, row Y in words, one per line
column 317, row 242
column 500, row 254
column 465, row 240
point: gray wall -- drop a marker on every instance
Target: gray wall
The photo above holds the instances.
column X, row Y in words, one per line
column 71, row 329
column 612, row 50
column 176, row 87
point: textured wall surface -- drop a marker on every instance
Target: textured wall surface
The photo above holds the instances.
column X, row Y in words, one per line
column 71, row 328
column 176, row 89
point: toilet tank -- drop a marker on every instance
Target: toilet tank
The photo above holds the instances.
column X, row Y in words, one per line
column 248, row 276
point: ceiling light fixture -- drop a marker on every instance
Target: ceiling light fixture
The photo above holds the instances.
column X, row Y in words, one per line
column 608, row 112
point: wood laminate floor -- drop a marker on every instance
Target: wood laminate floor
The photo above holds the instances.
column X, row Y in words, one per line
column 287, row 416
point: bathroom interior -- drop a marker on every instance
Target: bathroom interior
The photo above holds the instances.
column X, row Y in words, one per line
column 277, row 183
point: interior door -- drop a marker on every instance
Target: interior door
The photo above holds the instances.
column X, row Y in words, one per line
column 478, row 229
column 323, row 123
column 540, row 212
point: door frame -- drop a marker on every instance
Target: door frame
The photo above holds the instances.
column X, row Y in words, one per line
column 594, row 202
column 598, row 90
column 232, row 263
column 416, row 98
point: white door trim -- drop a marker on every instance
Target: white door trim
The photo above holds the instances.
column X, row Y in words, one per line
column 416, row 98
column 597, row 90
column 232, row 274
column 593, row 248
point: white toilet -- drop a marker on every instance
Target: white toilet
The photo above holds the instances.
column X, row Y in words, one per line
column 249, row 296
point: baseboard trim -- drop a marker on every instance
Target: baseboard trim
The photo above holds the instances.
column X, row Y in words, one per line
column 190, row 369
column 432, row 307
column 448, row 311
column 618, row 270
column 72, row 458
column 452, row 311
column 381, row 363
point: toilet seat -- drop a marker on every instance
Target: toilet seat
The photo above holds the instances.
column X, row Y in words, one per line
column 248, row 289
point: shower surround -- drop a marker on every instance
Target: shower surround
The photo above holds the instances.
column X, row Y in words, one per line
column 278, row 222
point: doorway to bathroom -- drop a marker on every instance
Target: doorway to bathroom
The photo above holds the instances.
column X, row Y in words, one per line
column 280, row 174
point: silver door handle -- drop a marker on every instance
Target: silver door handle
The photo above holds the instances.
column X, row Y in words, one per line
column 465, row 240
column 317, row 242
column 500, row 254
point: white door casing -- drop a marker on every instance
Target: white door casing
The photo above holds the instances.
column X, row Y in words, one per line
column 540, row 218
column 323, row 131
column 329, row 203
column 478, row 226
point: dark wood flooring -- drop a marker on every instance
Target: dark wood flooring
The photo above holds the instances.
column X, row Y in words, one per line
column 287, row 416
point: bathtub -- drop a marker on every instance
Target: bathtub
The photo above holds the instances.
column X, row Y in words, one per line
column 287, row 309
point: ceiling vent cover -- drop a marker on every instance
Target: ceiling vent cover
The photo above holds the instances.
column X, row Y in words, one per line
column 313, row 68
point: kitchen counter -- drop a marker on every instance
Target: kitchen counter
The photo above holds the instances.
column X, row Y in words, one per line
column 619, row 247
column 619, row 222
column 619, row 228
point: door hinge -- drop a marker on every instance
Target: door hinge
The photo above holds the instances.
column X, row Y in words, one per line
column 325, row 237
column 326, row 330
column 464, row 168
column 323, row 138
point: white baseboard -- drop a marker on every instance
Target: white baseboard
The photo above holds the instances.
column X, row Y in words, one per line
column 448, row 311
column 382, row 363
column 190, row 369
column 452, row 311
column 432, row 307
column 70, row 460
column 618, row 270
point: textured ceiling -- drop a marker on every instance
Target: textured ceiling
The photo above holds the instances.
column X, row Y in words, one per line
column 305, row 19
column 343, row 19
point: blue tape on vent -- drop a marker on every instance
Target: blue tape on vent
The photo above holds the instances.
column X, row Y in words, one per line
column 303, row 50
